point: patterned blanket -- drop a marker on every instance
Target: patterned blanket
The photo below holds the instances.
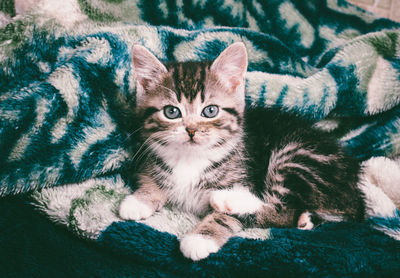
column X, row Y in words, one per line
column 66, row 131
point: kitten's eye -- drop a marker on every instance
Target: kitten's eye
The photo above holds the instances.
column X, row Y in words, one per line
column 210, row 111
column 172, row 112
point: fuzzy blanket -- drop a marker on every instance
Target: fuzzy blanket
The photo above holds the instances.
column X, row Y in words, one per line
column 66, row 131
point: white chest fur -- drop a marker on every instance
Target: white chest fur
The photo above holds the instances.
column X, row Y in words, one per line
column 182, row 186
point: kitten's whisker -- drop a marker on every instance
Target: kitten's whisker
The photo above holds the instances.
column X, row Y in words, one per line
column 152, row 145
column 143, row 145
column 132, row 133
column 231, row 147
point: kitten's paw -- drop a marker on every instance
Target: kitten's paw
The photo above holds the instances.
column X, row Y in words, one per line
column 131, row 208
column 238, row 201
column 304, row 222
column 197, row 247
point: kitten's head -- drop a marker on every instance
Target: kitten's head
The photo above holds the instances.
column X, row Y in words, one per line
column 191, row 104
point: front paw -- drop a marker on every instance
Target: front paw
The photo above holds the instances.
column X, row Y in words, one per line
column 236, row 201
column 197, row 247
column 131, row 208
column 305, row 222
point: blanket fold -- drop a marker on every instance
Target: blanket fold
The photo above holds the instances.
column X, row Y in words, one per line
column 67, row 131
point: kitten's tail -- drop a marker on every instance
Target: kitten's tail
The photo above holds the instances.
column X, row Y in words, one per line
column 380, row 185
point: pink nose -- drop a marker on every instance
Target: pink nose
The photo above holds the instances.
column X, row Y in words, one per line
column 191, row 131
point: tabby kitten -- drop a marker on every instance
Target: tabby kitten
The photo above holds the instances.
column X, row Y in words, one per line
column 205, row 156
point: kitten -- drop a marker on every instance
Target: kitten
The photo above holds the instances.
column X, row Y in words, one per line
column 205, row 156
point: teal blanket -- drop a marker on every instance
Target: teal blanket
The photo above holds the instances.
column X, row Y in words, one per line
column 67, row 92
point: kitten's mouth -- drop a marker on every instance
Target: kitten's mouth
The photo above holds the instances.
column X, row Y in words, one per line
column 191, row 141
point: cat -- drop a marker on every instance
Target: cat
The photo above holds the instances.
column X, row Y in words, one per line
column 207, row 156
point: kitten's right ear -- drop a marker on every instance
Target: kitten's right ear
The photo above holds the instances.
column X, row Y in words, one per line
column 147, row 68
column 231, row 65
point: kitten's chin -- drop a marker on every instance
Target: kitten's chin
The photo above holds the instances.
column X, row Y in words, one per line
column 191, row 145
column 194, row 145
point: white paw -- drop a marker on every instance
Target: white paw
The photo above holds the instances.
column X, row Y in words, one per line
column 131, row 208
column 197, row 247
column 304, row 222
column 237, row 201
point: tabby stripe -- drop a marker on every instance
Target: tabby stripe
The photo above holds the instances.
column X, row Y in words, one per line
column 149, row 111
column 290, row 154
column 307, row 181
column 325, row 159
column 161, row 178
column 219, row 144
column 176, row 77
column 223, row 224
column 305, row 169
column 283, row 155
column 233, row 112
column 160, row 163
column 202, row 80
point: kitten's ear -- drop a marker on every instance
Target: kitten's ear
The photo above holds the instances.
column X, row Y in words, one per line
column 147, row 68
column 231, row 65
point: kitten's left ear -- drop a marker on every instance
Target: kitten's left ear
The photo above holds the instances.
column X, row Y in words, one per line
column 231, row 65
column 147, row 68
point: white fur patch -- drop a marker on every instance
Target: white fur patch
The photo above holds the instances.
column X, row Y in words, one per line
column 304, row 222
column 197, row 247
column 185, row 192
column 132, row 208
column 330, row 217
column 238, row 201
column 187, row 167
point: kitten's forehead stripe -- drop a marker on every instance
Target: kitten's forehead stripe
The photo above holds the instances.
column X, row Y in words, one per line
column 202, row 78
column 188, row 79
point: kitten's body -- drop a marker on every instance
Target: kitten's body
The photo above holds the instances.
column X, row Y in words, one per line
column 284, row 173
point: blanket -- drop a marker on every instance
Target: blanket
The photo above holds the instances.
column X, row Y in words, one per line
column 66, row 131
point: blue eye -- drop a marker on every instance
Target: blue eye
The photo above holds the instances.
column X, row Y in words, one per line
column 210, row 111
column 172, row 112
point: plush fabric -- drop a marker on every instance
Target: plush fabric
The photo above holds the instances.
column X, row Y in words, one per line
column 67, row 133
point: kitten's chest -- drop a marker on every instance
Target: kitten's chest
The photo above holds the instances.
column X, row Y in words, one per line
column 183, row 186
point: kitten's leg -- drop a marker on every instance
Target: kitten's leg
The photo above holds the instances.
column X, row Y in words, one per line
column 272, row 216
column 209, row 235
column 143, row 202
column 237, row 201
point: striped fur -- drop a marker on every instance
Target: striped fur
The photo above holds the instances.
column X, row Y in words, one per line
column 304, row 170
column 210, row 171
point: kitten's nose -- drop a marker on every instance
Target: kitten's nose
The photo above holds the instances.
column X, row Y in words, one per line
column 191, row 131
